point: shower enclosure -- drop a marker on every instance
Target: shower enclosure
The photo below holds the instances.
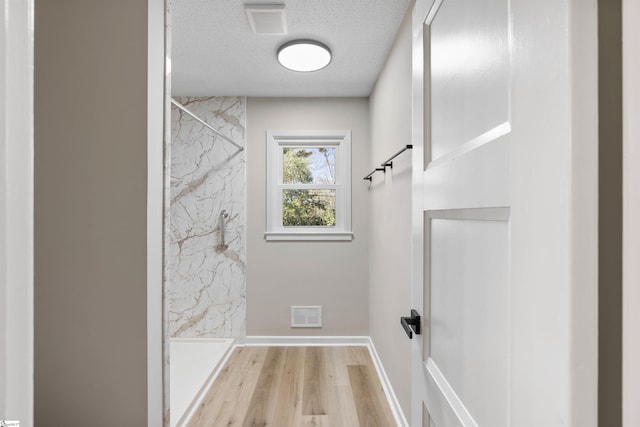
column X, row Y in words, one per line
column 205, row 241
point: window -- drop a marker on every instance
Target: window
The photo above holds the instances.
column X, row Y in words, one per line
column 308, row 185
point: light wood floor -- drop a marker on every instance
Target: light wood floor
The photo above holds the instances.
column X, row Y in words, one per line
column 296, row 386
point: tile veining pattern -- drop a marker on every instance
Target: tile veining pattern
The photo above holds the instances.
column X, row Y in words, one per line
column 206, row 287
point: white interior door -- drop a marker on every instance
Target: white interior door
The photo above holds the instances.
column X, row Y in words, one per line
column 495, row 199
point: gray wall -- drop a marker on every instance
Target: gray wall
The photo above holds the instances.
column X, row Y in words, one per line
column 390, row 216
column 610, row 213
column 90, row 213
column 331, row 274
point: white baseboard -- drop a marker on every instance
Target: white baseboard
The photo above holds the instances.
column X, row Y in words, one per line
column 398, row 415
column 278, row 341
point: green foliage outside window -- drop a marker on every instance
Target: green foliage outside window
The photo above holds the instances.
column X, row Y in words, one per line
column 306, row 207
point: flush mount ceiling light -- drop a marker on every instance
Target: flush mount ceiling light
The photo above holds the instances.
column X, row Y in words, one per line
column 304, row 55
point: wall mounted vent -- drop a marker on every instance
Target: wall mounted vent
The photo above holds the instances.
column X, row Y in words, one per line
column 267, row 18
column 309, row 316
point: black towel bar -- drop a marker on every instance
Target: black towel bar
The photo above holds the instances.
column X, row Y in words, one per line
column 387, row 163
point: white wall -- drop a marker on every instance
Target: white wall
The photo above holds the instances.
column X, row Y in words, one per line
column 91, row 191
column 16, row 211
column 390, row 216
column 331, row 274
column 631, row 213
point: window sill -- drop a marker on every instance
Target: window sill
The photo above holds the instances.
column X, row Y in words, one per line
column 307, row 236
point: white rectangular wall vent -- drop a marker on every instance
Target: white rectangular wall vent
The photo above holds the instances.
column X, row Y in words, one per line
column 309, row 316
column 267, row 18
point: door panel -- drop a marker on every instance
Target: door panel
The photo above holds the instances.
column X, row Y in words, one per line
column 468, row 247
column 466, row 204
column 470, row 313
column 469, row 71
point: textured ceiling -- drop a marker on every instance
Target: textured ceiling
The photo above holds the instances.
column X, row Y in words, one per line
column 214, row 51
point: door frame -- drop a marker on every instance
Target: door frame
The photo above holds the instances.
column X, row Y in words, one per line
column 156, row 106
column 631, row 214
column 16, row 210
column 418, row 267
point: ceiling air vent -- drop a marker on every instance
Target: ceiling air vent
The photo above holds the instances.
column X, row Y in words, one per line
column 267, row 18
column 306, row 316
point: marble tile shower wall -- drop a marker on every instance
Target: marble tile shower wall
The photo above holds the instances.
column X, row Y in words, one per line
column 206, row 285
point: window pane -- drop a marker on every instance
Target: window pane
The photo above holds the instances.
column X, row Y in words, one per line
column 308, row 208
column 309, row 165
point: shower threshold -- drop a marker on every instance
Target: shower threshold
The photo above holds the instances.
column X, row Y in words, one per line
column 193, row 366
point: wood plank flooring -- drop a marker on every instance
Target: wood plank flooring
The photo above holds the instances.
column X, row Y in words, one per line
column 296, row 386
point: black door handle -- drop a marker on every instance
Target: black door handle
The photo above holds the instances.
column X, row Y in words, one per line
column 411, row 324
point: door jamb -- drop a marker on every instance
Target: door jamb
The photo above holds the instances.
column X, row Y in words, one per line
column 16, row 211
column 631, row 214
column 155, row 208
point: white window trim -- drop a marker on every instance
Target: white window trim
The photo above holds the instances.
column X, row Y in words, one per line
column 276, row 140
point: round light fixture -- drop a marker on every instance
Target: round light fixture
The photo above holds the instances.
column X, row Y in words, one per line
column 304, row 55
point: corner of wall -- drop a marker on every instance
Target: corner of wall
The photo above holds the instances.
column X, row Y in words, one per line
column 389, row 204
